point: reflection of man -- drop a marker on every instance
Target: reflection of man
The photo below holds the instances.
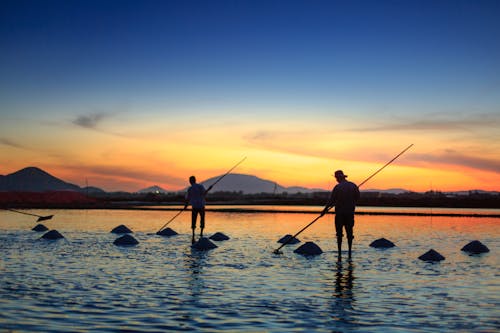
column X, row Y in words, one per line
column 196, row 197
column 344, row 197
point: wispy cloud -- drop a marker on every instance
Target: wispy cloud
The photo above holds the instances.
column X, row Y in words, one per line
column 452, row 158
column 10, row 143
column 437, row 122
column 90, row 121
column 125, row 174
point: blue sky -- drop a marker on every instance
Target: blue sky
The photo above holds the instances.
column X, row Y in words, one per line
column 125, row 67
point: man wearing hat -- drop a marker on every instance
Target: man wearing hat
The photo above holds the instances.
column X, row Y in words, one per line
column 344, row 197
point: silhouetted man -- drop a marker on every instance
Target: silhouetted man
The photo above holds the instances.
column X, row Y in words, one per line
column 344, row 197
column 196, row 197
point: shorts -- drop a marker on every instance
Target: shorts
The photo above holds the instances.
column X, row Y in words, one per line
column 194, row 214
column 346, row 221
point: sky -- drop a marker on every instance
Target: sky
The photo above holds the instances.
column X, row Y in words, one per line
column 124, row 95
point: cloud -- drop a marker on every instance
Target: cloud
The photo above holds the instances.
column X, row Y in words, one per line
column 126, row 174
column 90, row 121
column 450, row 157
column 94, row 121
column 8, row 142
column 436, row 122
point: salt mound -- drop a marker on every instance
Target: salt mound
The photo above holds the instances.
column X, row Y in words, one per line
column 475, row 247
column 382, row 243
column 285, row 239
column 121, row 229
column 126, row 240
column 204, row 244
column 40, row 227
column 167, row 232
column 219, row 236
column 431, row 255
column 52, row 234
column 308, row 249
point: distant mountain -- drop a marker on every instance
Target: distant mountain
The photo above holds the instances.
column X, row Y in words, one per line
column 153, row 189
column 249, row 184
column 33, row 179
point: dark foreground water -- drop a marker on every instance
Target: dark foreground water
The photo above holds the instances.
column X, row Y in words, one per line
column 84, row 283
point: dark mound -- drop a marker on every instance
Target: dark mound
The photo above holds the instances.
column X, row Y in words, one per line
column 219, row 236
column 167, row 232
column 289, row 239
column 431, row 255
column 308, row 249
column 121, row 229
column 475, row 247
column 203, row 244
column 40, row 227
column 52, row 234
column 382, row 243
column 126, row 240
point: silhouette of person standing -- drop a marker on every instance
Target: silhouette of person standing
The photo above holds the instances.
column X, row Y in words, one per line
column 344, row 197
column 196, row 197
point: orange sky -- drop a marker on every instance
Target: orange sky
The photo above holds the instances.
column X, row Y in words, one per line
column 290, row 152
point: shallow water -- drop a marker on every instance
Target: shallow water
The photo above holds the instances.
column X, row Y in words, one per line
column 85, row 283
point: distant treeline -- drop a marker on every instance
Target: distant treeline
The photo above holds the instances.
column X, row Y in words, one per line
column 473, row 199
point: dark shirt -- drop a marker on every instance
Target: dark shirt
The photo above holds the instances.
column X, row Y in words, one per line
column 344, row 196
column 196, row 196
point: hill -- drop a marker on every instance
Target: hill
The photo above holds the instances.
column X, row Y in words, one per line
column 249, row 184
column 32, row 179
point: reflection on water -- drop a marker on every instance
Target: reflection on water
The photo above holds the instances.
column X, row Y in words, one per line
column 85, row 283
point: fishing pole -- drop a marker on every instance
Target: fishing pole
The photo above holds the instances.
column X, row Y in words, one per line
column 40, row 217
column 209, row 188
column 227, row 173
column 277, row 251
column 173, row 218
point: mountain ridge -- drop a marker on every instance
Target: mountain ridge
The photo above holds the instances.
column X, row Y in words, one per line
column 34, row 179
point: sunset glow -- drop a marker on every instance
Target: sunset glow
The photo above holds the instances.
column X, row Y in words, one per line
column 153, row 92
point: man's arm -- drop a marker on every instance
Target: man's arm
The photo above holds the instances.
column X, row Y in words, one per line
column 330, row 203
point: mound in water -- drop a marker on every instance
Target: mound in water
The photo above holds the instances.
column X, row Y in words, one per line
column 203, row 244
column 382, row 243
column 126, row 240
column 167, row 232
column 289, row 239
column 40, row 227
column 52, row 234
column 219, row 236
column 431, row 255
column 121, row 229
column 308, row 249
column 475, row 247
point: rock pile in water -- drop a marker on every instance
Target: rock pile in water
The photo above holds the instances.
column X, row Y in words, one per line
column 219, row 236
column 204, row 244
column 308, row 249
column 167, row 232
column 40, row 227
column 126, row 240
column 431, row 255
column 382, row 243
column 475, row 247
column 52, row 234
column 121, row 229
column 289, row 239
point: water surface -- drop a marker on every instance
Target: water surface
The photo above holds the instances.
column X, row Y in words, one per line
column 85, row 283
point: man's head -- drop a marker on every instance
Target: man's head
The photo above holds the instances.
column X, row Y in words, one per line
column 339, row 175
column 192, row 180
